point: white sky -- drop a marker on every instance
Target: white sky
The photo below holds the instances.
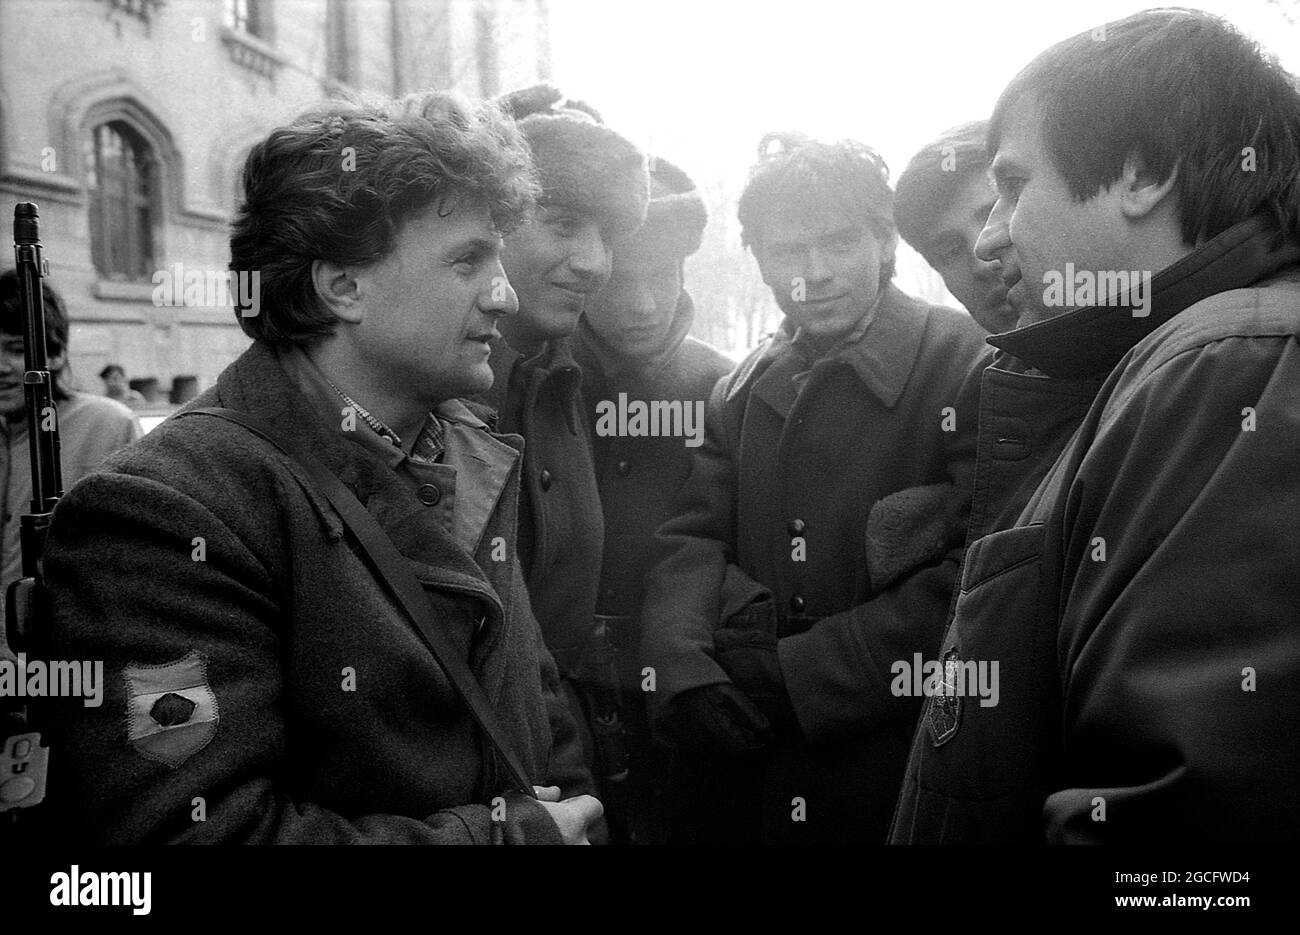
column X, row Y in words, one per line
column 700, row 81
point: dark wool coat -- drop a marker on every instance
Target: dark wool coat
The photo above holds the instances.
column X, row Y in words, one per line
column 778, row 503
column 1143, row 599
column 279, row 608
column 560, row 522
column 639, row 477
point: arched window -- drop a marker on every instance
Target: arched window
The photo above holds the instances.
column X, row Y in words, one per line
column 122, row 182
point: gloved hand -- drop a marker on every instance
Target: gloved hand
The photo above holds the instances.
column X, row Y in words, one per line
column 717, row 719
column 749, row 657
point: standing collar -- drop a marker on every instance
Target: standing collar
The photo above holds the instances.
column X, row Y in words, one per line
column 882, row 357
column 1093, row 339
column 884, row 354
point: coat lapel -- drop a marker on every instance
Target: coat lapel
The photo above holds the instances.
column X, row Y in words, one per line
column 257, row 384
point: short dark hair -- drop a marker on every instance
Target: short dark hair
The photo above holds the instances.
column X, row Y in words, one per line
column 112, row 368
column 338, row 183
column 1178, row 88
column 56, row 320
column 793, row 169
column 934, row 176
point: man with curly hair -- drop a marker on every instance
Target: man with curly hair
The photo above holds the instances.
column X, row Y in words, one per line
column 261, row 683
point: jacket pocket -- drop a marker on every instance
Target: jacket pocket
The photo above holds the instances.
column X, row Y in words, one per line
column 985, row 717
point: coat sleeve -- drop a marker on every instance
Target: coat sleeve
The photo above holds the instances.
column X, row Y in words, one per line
column 128, row 588
column 839, row 672
column 682, row 594
column 1179, row 633
column 567, row 767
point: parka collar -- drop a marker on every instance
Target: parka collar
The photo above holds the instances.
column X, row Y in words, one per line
column 1092, row 340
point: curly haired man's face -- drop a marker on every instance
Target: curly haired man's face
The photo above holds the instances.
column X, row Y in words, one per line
column 823, row 268
column 433, row 303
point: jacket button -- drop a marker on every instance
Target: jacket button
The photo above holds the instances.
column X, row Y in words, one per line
column 429, row 494
column 546, row 480
column 796, row 527
column 797, row 604
column 624, row 468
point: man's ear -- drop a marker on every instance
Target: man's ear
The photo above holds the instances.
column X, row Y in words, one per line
column 54, row 362
column 1140, row 191
column 337, row 289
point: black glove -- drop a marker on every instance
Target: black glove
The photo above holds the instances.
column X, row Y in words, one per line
column 749, row 657
column 717, row 719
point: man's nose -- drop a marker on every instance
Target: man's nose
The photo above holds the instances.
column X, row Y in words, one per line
column 816, row 268
column 995, row 238
column 590, row 256
column 499, row 298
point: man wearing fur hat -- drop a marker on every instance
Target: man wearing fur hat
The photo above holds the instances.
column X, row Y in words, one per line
column 634, row 349
column 817, row 538
column 594, row 192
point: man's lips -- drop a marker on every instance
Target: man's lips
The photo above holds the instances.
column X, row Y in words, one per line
column 824, row 301
column 578, row 290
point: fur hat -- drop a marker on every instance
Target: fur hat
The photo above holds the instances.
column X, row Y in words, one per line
column 580, row 161
column 676, row 216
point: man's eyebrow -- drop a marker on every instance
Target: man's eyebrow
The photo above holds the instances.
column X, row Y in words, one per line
column 840, row 233
column 475, row 244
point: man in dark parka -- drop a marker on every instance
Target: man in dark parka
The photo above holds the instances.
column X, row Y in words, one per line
column 262, row 684
column 634, row 349
column 817, row 537
column 1139, row 591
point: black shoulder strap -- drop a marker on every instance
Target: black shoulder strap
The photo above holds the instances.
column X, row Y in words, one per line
column 396, row 572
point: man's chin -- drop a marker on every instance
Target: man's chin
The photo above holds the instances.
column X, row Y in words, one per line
column 555, row 323
column 476, row 382
column 999, row 320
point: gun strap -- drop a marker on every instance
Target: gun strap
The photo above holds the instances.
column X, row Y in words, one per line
column 395, row 570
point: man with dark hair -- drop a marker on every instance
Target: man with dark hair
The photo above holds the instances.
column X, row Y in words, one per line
column 816, row 540
column 90, row 427
column 941, row 202
column 594, row 190
column 1138, row 591
column 634, row 350
column 263, row 684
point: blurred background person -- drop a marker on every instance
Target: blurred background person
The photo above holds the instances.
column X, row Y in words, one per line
column 117, row 387
column 91, row 427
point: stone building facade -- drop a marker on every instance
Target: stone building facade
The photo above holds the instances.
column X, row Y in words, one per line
column 127, row 121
